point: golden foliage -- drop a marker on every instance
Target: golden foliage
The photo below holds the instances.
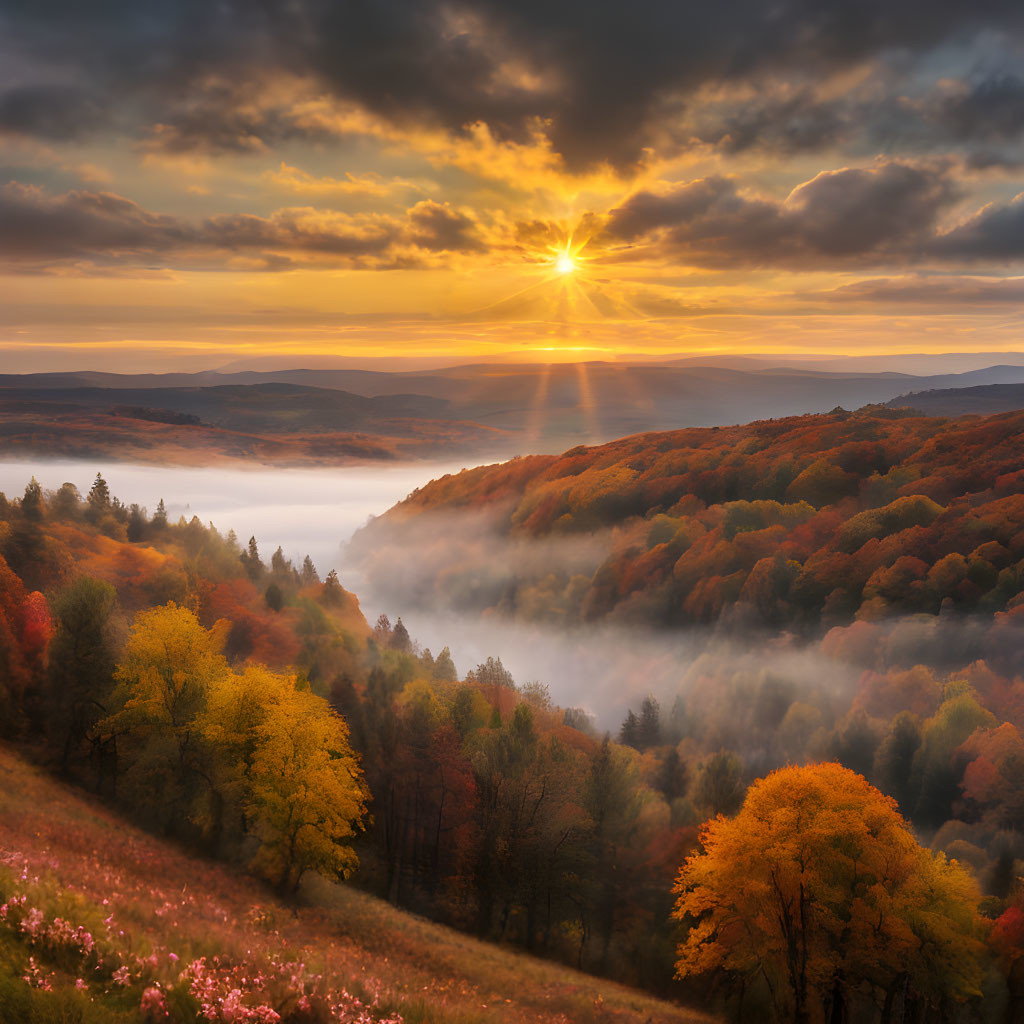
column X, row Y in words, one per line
column 818, row 885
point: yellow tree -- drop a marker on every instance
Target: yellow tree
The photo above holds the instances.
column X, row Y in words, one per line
column 304, row 792
column 819, row 888
column 169, row 668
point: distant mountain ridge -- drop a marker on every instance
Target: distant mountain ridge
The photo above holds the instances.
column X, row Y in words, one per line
column 529, row 407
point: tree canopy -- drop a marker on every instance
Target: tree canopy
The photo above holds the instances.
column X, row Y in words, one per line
column 818, row 890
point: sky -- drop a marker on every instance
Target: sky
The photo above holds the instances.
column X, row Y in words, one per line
column 194, row 184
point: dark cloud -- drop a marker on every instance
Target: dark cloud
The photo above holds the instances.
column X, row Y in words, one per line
column 37, row 227
column 994, row 234
column 990, row 109
column 439, row 228
column 973, row 114
column 38, row 231
column 785, row 123
column 851, row 215
column 600, row 74
column 51, row 111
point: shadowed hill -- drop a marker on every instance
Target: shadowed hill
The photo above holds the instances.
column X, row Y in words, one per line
column 985, row 400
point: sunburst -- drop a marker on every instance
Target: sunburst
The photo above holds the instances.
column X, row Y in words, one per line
column 567, row 259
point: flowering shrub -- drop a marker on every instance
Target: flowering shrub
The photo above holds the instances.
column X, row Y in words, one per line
column 266, row 989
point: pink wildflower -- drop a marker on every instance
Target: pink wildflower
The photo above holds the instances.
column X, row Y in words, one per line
column 153, row 1004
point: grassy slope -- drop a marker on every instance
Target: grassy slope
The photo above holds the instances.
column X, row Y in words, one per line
column 164, row 898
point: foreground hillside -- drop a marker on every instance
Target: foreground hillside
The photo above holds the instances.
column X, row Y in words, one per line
column 788, row 522
column 152, row 913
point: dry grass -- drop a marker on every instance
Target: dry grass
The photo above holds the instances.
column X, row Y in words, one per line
column 165, row 899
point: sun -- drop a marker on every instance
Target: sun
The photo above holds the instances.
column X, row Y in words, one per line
column 564, row 263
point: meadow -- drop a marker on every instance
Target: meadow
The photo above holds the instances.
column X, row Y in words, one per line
column 170, row 936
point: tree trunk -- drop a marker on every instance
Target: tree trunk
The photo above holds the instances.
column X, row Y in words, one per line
column 838, row 1010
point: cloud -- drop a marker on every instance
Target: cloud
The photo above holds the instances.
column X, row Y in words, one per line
column 51, row 111
column 931, row 292
column 371, row 185
column 38, row 230
column 870, row 109
column 995, row 234
column 599, row 77
column 867, row 214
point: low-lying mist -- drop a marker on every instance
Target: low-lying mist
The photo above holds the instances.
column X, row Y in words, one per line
column 429, row 573
column 458, row 582
column 715, row 672
column 305, row 511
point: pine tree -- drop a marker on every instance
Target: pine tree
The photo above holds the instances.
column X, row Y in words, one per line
column 332, row 592
column 279, row 565
column 32, row 502
column 309, row 575
column 630, row 732
column 136, row 523
column 444, row 667
column 99, row 499
column 250, row 558
column 649, row 729
column 160, row 516
column 400, row 639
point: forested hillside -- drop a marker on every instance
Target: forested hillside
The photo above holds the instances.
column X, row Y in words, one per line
column 794, row 522
column 247, row 710
column 171, row 669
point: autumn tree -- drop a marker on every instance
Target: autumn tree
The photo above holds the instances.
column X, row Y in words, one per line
column 166, row 674
column 332, row 591
column 818, row 891
column 283, row 758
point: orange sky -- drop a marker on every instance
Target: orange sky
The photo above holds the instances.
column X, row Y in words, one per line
column 165, row 205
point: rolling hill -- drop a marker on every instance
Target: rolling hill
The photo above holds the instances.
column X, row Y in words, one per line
column 155, row 912
column 496, row 410
column 983, row 400
column 796, row 521
column 269, row 422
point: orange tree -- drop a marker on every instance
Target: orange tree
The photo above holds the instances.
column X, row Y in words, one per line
column 819, row 889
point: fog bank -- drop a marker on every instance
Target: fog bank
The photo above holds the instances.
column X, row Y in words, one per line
column 305, row 511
